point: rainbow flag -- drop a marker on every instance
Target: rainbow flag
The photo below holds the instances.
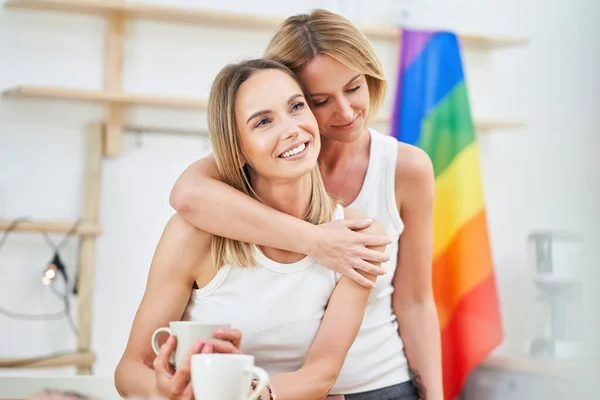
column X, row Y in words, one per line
column 432, row 112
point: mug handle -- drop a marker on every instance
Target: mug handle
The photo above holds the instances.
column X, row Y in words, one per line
column 263, row 379
column 155, row 346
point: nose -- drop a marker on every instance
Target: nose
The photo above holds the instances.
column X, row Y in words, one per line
column 290, row 129
column 344, row 110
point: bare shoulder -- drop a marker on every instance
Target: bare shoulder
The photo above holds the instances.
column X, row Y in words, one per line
column 376, row 228
column 414, row 174
column 178, row 229
column 413, row 163
column 183, row 249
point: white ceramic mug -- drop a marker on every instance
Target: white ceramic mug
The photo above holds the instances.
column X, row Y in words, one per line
column 226, row 377
column 187, row 332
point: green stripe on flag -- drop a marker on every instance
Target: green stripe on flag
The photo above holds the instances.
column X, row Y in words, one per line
column 448, row 129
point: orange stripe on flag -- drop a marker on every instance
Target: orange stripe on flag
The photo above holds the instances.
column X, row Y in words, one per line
column 472, row 333
column 463, row 265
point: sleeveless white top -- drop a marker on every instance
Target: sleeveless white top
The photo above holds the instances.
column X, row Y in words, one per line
column 377, row 359
column 279, row 307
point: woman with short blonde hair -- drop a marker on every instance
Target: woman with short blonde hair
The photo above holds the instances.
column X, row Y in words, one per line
column 302, row 37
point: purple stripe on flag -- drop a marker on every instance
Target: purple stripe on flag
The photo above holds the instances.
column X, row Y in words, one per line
column 413, row 43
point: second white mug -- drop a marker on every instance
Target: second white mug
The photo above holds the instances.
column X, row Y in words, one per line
column 226, row 377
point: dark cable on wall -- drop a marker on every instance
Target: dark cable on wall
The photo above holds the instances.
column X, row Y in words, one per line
column 55, row 266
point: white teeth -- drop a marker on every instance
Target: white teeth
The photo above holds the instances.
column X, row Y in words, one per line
column 293, row 151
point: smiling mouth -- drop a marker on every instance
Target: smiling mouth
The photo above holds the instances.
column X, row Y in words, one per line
column 301, row 148
column 346, row 124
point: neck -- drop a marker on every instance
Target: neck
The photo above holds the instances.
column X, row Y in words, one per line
column 291, row 197
column 336, row 154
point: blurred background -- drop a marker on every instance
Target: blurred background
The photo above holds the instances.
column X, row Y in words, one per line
column 536, row 103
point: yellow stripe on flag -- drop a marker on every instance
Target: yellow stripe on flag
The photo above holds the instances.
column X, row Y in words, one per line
column 458, row 197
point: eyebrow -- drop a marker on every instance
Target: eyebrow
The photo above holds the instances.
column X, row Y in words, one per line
column 325, row 94
column 263, row 112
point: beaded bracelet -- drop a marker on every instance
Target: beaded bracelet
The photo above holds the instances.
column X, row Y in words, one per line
column 272, row 395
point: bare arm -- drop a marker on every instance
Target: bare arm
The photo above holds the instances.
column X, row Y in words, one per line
column 204, row 201
column 170, row 280
column 336, row 334
column 413, row 300
column 180, row 250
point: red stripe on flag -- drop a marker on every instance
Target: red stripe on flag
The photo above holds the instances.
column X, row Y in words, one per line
column 473, row 331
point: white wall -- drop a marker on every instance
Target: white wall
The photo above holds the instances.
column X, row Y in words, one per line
column 534, row 178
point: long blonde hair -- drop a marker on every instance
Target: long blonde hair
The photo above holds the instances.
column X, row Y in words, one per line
column 228, row 153
column 301, row 37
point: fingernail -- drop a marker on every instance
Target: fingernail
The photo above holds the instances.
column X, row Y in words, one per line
column 170, row 339
column 369, row 219
column 218, row 331
column 198, row 345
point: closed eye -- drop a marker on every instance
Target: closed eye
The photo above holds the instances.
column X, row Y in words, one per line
column 354, row 89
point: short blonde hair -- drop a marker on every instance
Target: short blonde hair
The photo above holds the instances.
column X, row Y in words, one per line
column 301, row 37
column 228, row 153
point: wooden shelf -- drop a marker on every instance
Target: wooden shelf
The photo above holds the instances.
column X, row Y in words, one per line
column 31, row 386
column 481, row 124
column 81, row 359
column 102, row 96
column 84, row 229
column 140, row 10
column 489, row 124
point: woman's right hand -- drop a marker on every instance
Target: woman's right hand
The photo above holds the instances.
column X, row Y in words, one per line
column 338, row 247
column 228, row 341
column 175, row 384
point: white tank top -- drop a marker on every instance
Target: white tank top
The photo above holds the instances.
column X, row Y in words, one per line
column 376, row 359
column 277, row 307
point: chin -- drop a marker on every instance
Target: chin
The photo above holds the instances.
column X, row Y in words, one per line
column 296, row 170
column 344, row 137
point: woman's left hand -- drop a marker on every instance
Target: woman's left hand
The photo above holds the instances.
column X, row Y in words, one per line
column 225, row 341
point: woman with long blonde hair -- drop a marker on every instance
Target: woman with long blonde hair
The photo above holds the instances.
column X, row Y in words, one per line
column 363, row 169
column 298, row 318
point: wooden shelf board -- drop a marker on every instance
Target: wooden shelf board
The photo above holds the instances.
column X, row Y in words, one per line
column 488, row 124
column 84, row 229
column 80, row 359
column 102, row 96
column 132, row 128
column 183, row 102
column 481, row 124
column 135, row 9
